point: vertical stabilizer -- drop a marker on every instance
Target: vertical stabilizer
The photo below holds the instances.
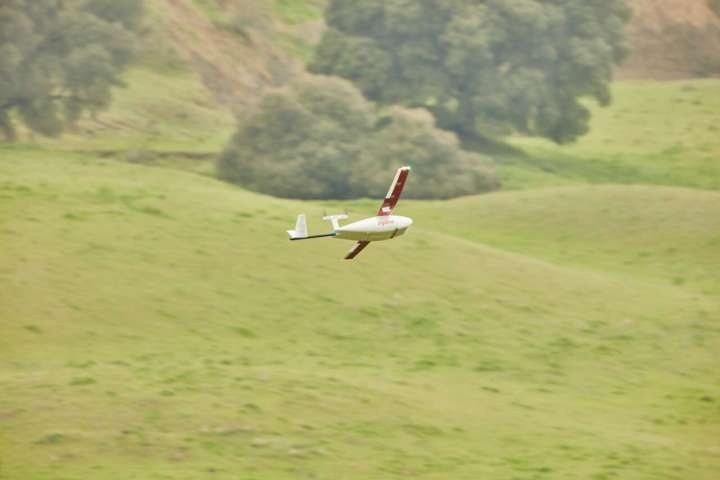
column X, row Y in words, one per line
column 300, row 228
column 393, row 195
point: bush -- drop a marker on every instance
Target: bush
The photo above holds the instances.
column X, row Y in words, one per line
column 441, row 168
column 320, row 139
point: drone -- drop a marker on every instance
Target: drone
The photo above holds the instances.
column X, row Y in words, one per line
column 383, row 226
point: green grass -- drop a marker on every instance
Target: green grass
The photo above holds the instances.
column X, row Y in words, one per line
column 668, row 235
column 298, row 11
column 155, row 323
column 655, row 133
column 295, row 45
column 163, row 117
column 211, row 10
column 160, row 110
column 158, row 324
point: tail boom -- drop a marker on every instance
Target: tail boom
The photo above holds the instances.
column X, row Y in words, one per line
column 301, row 232
column 310, row 237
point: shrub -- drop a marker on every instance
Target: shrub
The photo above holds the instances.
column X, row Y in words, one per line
column 320, row 138
column 442, row 168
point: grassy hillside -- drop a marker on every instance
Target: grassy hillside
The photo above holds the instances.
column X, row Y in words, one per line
column 205, row 59
column 661, row 133
column 158, row 324
column 653, row 133
column 163, row 110
column 665, row 235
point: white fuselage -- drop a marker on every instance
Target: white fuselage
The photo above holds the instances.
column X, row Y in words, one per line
column 374, row 229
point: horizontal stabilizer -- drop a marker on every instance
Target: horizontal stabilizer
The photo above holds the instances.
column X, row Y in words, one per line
column 333, row 219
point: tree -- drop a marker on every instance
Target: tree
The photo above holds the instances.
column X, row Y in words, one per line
column 60, row 58
column 441, row 169
column 483, row 67
column 300, row 141
column 320, row 138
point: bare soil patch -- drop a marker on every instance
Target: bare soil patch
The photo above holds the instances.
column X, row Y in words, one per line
column 672, row 39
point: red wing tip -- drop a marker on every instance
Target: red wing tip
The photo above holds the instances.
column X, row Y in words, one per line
column 357, row 248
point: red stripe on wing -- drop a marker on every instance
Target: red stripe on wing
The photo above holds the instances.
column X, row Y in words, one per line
column 359, row 246
column 393, row 194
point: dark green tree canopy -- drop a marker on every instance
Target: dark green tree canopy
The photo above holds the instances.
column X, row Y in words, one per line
column 59, row 58
column 482, row 67
column 320, row 138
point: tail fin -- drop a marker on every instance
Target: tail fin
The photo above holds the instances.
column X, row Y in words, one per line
column 300, row 228
column 393, row 195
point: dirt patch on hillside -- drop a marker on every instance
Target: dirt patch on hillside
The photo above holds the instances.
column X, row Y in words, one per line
column 234, row 54
column 672, row 39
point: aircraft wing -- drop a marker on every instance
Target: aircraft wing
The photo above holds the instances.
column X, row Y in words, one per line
column 393, row 194
column 357, row 248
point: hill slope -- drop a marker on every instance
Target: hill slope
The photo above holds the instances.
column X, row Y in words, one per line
column 661, row 133
column 157, row 324
column 206, row 59
column 666, row 235
column 672, row 39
